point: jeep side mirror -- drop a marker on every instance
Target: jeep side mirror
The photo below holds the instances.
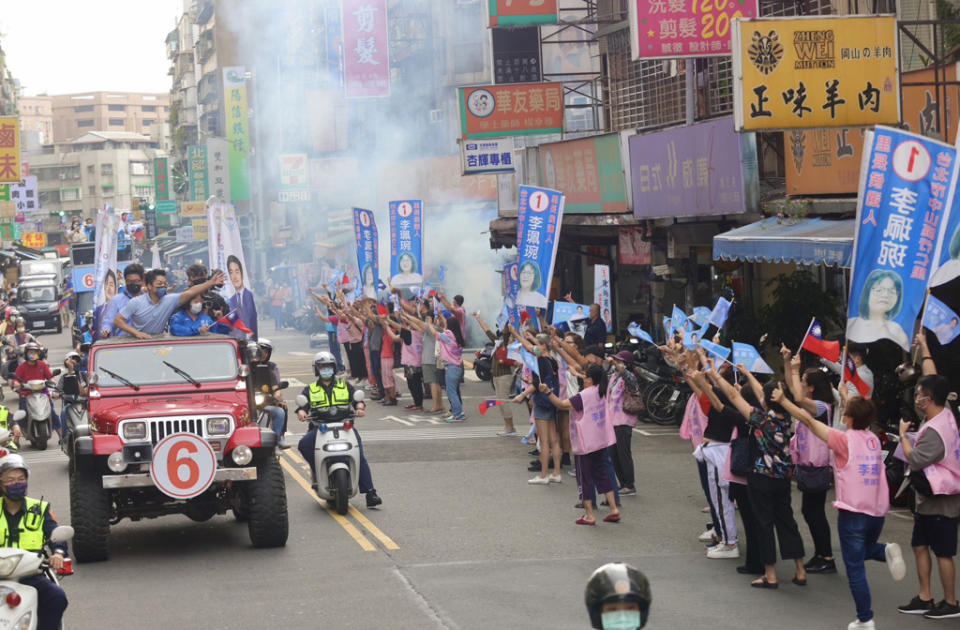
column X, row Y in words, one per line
column 358, row 396
column 61, row 533
column 302, row 401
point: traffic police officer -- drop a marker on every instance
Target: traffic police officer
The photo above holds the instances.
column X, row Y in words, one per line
column 326, row 392
column 27, row 524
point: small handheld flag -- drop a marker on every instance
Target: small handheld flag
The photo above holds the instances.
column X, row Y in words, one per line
column 718, row 317
column 814, row 342
column 530, row 361
column 715, row 350
column 748, row 356
column 488, row 404
column 850, row 375
column 635, row 330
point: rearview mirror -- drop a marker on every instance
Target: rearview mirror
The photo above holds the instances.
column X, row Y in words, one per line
column 19, row 415
column 57, row 372
column 61, row 533
column 302, row 401
column 358, row 396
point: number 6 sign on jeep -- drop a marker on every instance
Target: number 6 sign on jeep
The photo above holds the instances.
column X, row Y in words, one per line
column 183, row 466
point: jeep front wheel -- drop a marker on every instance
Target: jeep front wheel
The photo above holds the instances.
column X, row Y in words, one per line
column 267, row 502
column 90, row 515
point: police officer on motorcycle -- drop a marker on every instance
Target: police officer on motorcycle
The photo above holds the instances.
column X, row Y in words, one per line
column 618, row 597
column 276, row 412
column 27, row 524
column 326, row 392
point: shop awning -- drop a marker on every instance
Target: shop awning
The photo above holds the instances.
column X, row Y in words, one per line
column 803, row 241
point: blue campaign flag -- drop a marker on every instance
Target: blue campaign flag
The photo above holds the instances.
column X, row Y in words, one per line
column 715, row 350
column 945, row 265
column 691, row 338
column 746, row 355
column 904, row 187
column 635, row 330
column 539, row 216
column 701, row 316
column 503, row 318
column 940, row 318
column 513, row 351
column 365, row 230
column 441, row 273
column 668, row 328
column 720, row 312
column 530, row 361
column 679, row 320
column 568, row 311
column 406, row 243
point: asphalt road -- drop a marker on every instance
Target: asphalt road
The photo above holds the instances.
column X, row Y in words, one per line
column 461, row 541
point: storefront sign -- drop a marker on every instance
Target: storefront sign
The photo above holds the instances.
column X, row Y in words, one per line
column 684, row 28
column 516, row 55
column 238, row 131
column 478, row 157
column 588, row 171
column 161, row 183
column 190, row 209
column 839, row 71
column 365, row 48
column 522, row 12
column 200, row 229
column 10, row 168
column 197, row 172
column 294, row 171
column 185, row 234
column 24, row 195
column 703, row 169
column 217, row 158
column 36, row 240
column 293, row 196
column 494, row 111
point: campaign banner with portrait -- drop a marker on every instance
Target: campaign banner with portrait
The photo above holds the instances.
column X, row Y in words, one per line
column 945, row 265
column 105, row 263
column 225, row 251
column 539, row 216
column 511, row 285
column 365, row 231
column 564, row 312
column 941, row 320
column 406, row 243
column 905, row 180
column 601, row 294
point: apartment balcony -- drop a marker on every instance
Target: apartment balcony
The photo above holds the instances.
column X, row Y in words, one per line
column 207, row 89
column 205, row 46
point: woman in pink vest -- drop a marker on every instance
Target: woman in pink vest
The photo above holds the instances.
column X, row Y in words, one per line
column 862, row 496
column 813, row 393
column 591, row 432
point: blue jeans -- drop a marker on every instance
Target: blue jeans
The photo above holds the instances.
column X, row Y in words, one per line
column 335, row 348
column 308, row 444
column 452, row 381
column 858, row 542
column 590, row 492
column 278, row 419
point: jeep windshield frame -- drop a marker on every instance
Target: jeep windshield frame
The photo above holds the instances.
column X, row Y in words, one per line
column 147, row 363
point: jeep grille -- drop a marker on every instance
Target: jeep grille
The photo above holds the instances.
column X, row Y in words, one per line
column 161, row 428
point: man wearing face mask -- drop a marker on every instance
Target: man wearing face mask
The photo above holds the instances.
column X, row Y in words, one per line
column 33, row 369
column 618, row 597
column 133, row 283
column 327, row 392
column 27, row 524
column 147, row 315
column 937, row 514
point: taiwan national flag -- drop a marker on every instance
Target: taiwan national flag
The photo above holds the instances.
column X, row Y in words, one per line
column 231, row 320
column 850, row 375
column 488, row 404
column 814, row 342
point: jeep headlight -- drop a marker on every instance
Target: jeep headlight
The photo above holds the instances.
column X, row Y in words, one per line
column 218, row 426
column 135, row 430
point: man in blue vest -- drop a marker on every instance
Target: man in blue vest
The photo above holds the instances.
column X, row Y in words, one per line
column 326, row 392
column 27, row 524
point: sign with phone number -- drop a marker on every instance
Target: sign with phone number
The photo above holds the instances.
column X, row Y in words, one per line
column 684, row 28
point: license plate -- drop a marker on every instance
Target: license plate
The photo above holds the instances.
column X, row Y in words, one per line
column 675, row 395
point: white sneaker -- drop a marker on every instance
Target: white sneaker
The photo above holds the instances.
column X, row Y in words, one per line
column 723, row 551
column 895, row 563
column 856, row 624
column 707, row 536
column 572, row 472
column 555, row 478
column 539, row 481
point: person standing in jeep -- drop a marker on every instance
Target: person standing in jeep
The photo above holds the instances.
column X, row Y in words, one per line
column 133, row 283
column 147, row 315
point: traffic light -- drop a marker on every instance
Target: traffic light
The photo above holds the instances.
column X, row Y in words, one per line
column 245, row 224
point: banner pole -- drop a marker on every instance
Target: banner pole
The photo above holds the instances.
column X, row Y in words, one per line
column 802, row 341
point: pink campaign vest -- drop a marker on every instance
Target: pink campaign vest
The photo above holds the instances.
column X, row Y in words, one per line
column 615, row 412
column 807, row 449
column 944, row 476
column 694, row 420
column 590, row 430
column 562, row 376
column 862, row 482
column 411, row 355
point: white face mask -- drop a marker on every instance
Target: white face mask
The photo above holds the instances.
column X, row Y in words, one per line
column 196, row 307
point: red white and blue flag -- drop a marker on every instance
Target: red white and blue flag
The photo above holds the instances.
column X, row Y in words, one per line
column 489, row 404
column 815, row 343
column 850, row 375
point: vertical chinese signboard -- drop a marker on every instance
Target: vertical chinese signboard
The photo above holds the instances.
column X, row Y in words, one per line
column 588, row 171
column 684, row 28
column 522, row 12
column 839, row 71
column 161, row 183
column 539, row 218
column 197, row 171
column 9, row 149
column 218, row 162
column 406, row 243
column 493, row 111
column 238, row 132
column 366, row 60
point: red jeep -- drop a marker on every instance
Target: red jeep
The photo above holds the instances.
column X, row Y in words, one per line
column 171, row 433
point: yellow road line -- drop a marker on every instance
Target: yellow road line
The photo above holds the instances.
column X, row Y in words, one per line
column 349, row 527
column 373, row 529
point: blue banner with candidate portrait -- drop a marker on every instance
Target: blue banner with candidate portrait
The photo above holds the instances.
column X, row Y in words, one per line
column 946, row 263
column 905, row 181
column 539, row 215
column 941, row 320
column 365, row 230
column 569, row 312
column 406, row 243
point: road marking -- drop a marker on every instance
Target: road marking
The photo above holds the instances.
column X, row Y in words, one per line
column 413, row 420
column 349, row 527
column 295, row 382
column 373, row 529
column 665, row 431
column 298, row 353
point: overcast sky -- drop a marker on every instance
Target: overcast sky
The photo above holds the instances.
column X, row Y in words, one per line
column 64, row 46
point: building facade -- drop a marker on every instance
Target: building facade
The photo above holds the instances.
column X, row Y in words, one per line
column 36, row 117
column 77, row 114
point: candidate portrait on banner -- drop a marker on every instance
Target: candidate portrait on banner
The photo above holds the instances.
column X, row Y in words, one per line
column 365, row 231
column 539, row 216
column 406, row 243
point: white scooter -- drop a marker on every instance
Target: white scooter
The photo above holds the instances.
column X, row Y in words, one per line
column 39, row 409
column 337, row 453
column 19, row 601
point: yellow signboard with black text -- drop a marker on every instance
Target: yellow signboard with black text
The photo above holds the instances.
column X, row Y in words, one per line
column 793, row 73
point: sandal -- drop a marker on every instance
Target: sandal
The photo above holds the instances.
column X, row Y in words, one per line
column 612, row 518
column 798, row 581
column 764, row 583
column 584, row 521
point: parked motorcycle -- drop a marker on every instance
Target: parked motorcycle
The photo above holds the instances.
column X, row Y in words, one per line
column 665, row 393
column 21, row 600
column 483, row 361
column 337, row 452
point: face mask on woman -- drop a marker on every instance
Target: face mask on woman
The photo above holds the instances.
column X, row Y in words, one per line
column 196, row 307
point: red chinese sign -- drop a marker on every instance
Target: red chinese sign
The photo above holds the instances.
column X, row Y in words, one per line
column 365, row 48
column 161, row 185
column 493, row 111
column 10, row 149
column 684, row 28
column 522, row 12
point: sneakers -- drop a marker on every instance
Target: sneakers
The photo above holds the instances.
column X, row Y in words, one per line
column 282, row 443
column 819, row 564
column 539, row 481
column 555, row 478
column 628, row 492
column 450, row 419
column 943, row 610
column 856, row 624
column 506, row 433
column 895, row 561
column 707, row 536
column 572, row 472
column 723, row 551
column 373, row 500
column 916, row 606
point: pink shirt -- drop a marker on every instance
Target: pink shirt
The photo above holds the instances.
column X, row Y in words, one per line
column 450, row 352
column 859, row 473
column 590, row 429
column 411, row 354
column 944, row 476
column 615, row 393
